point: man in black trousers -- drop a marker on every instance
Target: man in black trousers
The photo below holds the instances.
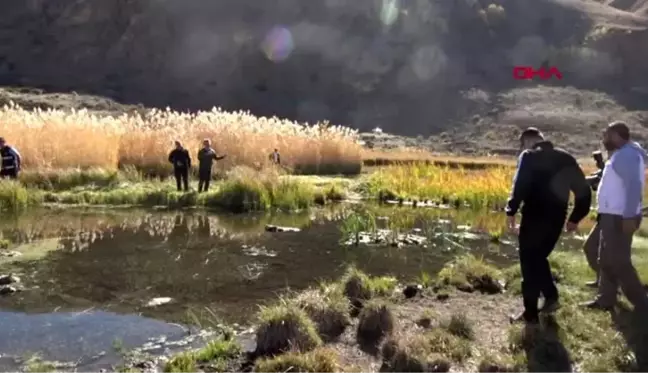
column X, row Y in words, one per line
column 181, row 161
column 545, row 175
column 206, row 157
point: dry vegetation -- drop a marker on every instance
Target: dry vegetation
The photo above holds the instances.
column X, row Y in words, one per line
column 54, row 139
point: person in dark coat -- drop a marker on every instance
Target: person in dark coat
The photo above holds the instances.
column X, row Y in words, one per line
column 181, row 161
column 544, row 178
column 11, row 161
column 206, row 158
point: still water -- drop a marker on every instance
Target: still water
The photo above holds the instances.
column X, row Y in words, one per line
column 92, row 277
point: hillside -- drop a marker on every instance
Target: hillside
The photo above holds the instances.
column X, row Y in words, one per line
column 439, row 69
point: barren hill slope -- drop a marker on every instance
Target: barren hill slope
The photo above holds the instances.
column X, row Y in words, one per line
column 414, row 67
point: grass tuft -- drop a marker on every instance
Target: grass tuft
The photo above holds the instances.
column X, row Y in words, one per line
column 329, row 310
column 376, row 321
column 218, row 355
column 461, row 326
column 318, row 360
column 285, row 327
column 470, row 273
column 412, row 355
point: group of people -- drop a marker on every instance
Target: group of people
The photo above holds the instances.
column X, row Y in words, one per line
column 181, row 161
column 544, row 178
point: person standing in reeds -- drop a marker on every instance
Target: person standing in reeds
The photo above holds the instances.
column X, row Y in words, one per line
column 11, row 160
column 206, row 158
column 181, row 161
column 275, row 157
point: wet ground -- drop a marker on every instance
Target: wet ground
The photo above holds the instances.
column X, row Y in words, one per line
column 95, row 283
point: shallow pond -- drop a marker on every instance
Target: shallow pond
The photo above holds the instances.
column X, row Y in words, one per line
column 94, row 279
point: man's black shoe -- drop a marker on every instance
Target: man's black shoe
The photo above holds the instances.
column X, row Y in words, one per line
column 521, row 317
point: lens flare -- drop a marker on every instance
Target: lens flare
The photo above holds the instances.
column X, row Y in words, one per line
column 278, row 44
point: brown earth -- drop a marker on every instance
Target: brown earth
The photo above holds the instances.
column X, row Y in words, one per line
column 489, row 314
column 410, row 67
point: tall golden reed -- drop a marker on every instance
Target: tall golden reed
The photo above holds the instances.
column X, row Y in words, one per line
column 55, row 139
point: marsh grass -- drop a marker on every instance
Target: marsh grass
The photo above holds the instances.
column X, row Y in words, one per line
column 359, row 287
column 376, row 322
column 55, row 139
column 478, row 188
column 414, row 354
column 218, row 353
column 328, row 308
column 318, row 360
column 14, row 197
column 283, row 327
column 244, row 190
column 468, row 272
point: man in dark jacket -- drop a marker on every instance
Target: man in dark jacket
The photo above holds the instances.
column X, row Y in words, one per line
column 545, row 175
column 181, row 161
column 206, row 158
column 11, row 160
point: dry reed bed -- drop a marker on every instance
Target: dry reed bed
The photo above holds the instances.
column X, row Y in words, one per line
column 55, row 139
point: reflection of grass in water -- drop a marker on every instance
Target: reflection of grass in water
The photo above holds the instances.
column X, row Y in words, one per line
column 72, row 223
column 32, row 251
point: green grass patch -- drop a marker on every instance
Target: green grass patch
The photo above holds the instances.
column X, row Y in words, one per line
column 319, row 360
column 14, row 197
column 468, row 272
column 218, row 356
column 587, row 338
column 359, row 287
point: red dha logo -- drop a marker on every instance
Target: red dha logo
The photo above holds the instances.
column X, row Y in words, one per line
column 529, row 73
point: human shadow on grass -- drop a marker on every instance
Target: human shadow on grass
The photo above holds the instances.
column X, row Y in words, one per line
column 633, row 325
column 543, row 348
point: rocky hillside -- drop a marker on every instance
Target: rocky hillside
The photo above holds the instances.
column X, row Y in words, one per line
column 413, row 67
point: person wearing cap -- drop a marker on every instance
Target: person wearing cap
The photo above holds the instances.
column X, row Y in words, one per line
column 544, row 178
column 181, row 161
column 619, row 197
column 206, row 157
column 11, row 160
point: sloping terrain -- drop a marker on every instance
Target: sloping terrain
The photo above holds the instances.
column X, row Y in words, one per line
column 413, row 67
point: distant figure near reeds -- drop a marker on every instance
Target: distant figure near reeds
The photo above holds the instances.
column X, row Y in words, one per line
column 11, row 161
column 275, row 157
column 206, row 158
column 181, row 161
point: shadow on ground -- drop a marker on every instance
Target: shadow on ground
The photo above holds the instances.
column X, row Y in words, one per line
column 634, row 327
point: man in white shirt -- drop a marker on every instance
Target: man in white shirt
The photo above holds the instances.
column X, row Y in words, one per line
column 619, row 196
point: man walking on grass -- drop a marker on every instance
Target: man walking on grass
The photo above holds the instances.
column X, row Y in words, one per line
column 619, row 196
column 181, row 161
column 11, row 161
column 544, row 177
column 206, row 158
